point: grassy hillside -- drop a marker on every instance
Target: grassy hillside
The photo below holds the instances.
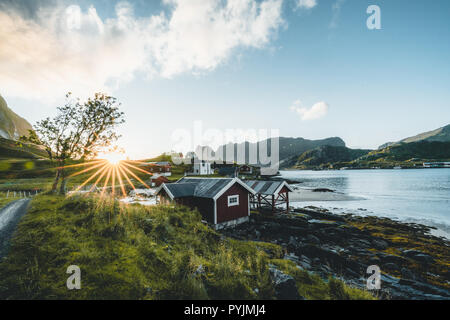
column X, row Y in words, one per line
column 326, row 156
column 422, row 150
column 11, row 125
column 135, row 252
column 440, row 135
column 408, row 155
column 10, row 149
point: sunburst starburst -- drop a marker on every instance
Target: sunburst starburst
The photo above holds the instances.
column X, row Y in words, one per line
column 111, row 169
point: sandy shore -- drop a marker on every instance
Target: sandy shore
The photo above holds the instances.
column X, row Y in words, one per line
column 309, row 195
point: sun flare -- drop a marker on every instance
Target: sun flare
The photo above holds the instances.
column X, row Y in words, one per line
column 114, row 158
column 116, row 172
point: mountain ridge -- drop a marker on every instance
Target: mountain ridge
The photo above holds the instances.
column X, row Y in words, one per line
column 12, row 126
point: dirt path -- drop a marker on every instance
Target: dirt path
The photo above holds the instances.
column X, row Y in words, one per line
column 10, row 216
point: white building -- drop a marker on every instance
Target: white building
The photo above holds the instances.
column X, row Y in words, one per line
column 202, row 168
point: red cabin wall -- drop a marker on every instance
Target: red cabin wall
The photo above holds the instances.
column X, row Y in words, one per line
column 225, row 213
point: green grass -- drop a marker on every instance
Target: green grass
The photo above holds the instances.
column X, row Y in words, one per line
column 4, row 200
column 136, row 252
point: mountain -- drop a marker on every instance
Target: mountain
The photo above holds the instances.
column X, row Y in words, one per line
column 290, row 148
column 441, row 135
column 422, row 150
column 325, row 156
column 12, row 126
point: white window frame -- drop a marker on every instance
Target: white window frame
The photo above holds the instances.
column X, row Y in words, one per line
column 236, row 196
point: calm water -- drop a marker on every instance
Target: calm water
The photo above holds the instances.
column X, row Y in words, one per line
column 419, row 195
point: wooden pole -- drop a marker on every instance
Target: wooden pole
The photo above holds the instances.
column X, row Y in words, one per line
column 273, row 203
column 287, row 202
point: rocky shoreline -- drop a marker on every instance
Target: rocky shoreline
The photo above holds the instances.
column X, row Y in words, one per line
column 414, row 263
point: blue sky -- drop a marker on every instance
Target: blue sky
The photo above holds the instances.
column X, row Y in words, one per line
column 372, row 86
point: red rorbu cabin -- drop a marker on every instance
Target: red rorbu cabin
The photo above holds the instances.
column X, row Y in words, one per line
column 222, row 202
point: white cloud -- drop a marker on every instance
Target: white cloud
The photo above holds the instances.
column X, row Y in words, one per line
column 306, row 4
column 64, row 48
column 318, row 110
column 336, row 12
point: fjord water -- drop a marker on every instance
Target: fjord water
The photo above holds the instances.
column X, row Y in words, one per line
column 414, row 195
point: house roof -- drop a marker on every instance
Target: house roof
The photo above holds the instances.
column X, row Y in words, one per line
column 267, row 187
column 228, row 170
column 201, row 187
column 178, row 190
column 163, row 163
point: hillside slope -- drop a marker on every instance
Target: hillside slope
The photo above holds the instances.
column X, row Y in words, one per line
column 418, row 151
column 328, row 155
column 290, row 148
column 12, row 126
column 10, row 149
column 441, row 135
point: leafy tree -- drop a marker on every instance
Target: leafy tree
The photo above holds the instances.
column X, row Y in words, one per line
column 79, row 131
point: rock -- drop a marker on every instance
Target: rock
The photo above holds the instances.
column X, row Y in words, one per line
column 322, row 190
column 380, row 244
column 390, row 266
column 285, row 286
column 407, row 274
column 386, row 258
column 312, row 239
column 424, row 258
column 292, row 257
column 200, row 270
column 418, row 256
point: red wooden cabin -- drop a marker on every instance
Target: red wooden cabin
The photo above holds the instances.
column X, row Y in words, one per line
column 221, row 201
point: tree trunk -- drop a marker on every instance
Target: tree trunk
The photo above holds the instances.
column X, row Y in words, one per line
column 55, row 183
column 62, row 189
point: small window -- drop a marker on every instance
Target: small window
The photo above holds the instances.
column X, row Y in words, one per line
column 233, row 200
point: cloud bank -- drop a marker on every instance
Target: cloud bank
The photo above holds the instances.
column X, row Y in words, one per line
column 306, row 4
column 318, row 110
column 48, row 50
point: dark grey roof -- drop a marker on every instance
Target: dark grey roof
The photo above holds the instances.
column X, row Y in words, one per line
column 207, row 187
column 200, row 187
column 264, row 187
column 228, row 171
column 180, row 190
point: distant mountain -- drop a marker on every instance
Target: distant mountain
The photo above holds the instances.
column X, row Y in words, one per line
column 290, row 148
column 325, row 156
column 12, row 126
column 441, row 135
column 385, row 145
column 422, row 150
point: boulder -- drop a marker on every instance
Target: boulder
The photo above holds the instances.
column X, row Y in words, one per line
column 407, row 274
column 380, row 244
column 312, row 239
column 418, row 256
column 284, row 285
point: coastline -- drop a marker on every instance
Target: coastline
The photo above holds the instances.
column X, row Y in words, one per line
column 302, row 194
column 302, row 198
column 413, row 262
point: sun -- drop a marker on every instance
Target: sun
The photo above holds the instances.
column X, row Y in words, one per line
column 113, row 158
column 109, row 172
